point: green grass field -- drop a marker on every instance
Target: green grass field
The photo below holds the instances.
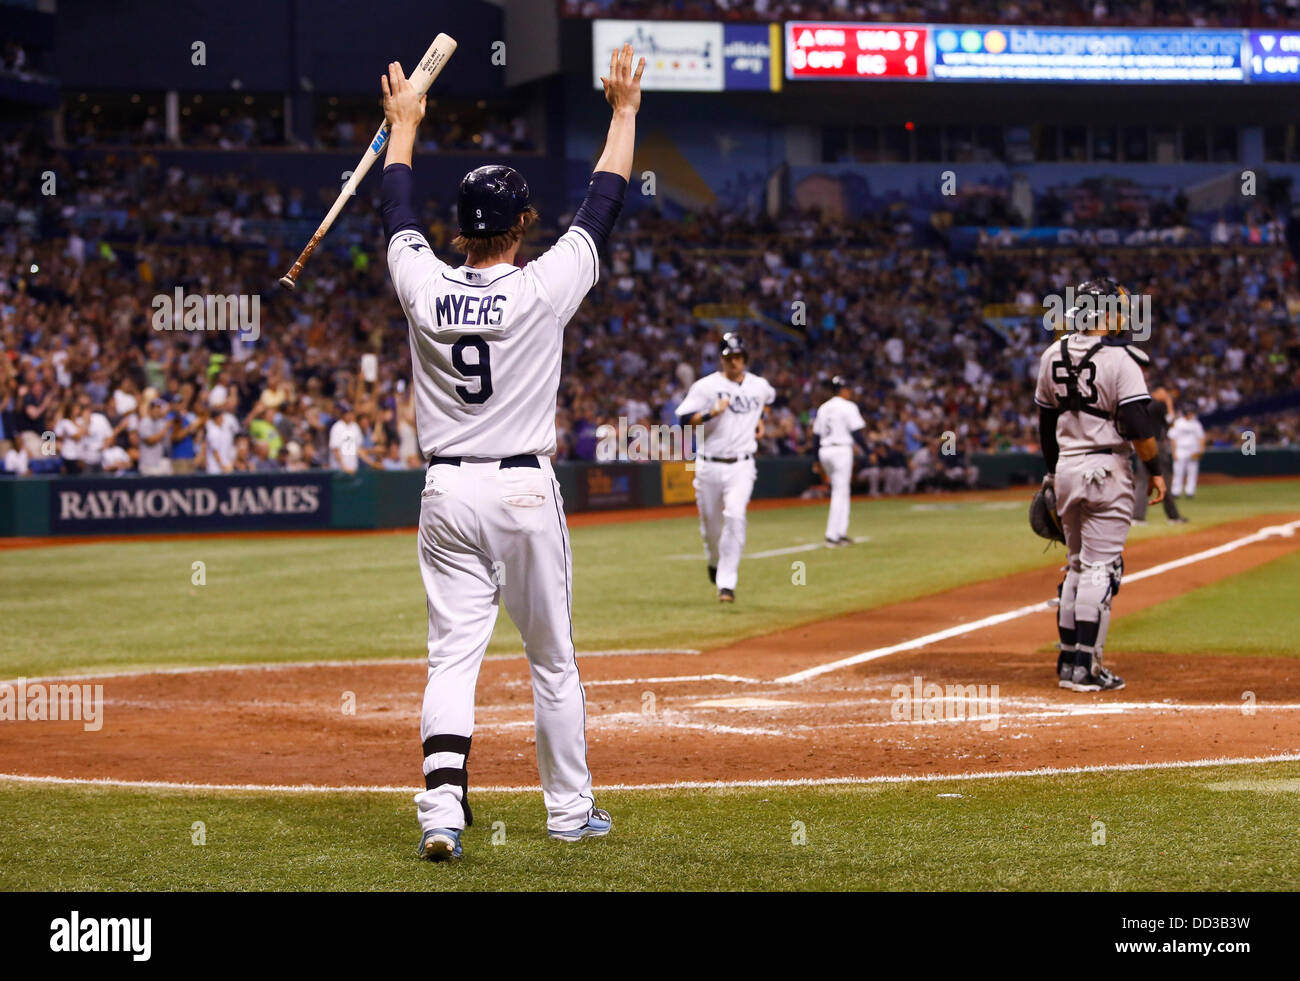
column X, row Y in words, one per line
column 1251, row 613
column 123, row 605
column 1221, row 828
column 116, row 605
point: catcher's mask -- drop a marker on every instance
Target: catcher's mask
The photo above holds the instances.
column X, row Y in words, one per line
column 1107, row 296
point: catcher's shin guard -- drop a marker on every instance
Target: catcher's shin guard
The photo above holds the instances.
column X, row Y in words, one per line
column 1066, row 594
column 1098, row 584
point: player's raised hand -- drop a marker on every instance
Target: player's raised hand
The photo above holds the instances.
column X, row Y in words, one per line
column 622, row 85
column 402, row 104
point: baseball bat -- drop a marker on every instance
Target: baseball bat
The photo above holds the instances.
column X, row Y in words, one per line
column 430, row 66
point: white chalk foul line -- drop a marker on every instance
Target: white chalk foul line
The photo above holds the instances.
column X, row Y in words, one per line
column 293, row 665
column 773, row 552
column 670, row 679
column 916, row 643
column 681, row 785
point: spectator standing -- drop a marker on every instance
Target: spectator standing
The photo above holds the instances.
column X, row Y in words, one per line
column 345, row 440
column 155, row 434
column 219, row 436
column 96, row 437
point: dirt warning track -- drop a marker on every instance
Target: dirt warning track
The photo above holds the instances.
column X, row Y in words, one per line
column 779, row 706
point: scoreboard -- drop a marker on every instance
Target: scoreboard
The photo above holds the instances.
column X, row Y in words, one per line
column 1275, row 56
column 866, row 51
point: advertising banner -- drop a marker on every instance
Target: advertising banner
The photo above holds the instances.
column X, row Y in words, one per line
column 691, row 56
column 609, row 485
column 678, row 483
column 994, row 53
column 1059, row 54
column 683, row 56
column 107, row 505
column 749, row 52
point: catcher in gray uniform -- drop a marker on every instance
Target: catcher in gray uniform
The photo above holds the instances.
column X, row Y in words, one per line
column 1092, row 400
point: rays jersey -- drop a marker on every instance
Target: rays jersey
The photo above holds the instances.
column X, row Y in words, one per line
column 486, row 344
column 1106, row 379
column 732, row 433
column 836, row 422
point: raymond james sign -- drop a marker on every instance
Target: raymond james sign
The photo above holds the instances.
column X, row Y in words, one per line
column 107, row 504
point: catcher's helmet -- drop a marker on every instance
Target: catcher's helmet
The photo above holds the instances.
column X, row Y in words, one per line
column 490, row 200
column 1099, row 288
column 732, row 344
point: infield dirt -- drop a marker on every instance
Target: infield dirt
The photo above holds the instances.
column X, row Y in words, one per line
column 722, row 715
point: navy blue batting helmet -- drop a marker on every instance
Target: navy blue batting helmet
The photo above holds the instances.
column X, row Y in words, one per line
column 491, row 199
column 732, row 344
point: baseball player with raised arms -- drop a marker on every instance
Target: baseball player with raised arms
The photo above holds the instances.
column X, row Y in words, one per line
column 836, row 427
column 486, row 340
column 1091, row 398
column 728, row 408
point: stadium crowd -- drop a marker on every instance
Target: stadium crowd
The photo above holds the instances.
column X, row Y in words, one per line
column 1066, row 13
column 472, row 127
column 88, row 381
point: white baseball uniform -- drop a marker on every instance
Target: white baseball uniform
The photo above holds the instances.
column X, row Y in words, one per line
column 834, row 425
column 724, row 465
column 1187, row 437
column 486, row 347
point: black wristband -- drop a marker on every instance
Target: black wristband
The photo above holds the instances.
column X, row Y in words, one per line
column 1153, row 466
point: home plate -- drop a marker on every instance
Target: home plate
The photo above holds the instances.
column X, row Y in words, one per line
column 744, row 702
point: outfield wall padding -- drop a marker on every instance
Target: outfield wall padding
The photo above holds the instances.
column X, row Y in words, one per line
column 42, row 506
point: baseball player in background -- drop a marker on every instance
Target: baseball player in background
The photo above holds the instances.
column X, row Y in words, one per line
column 1160, row 412
column 837, row 426
column 1188, row 436
column 486, row 340
column 1092, row 398
column 727, row 409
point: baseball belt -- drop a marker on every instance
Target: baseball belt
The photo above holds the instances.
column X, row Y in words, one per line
column 522, row 460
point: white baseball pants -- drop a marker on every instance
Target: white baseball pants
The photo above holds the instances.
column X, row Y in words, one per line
column 722, row 492
column 1186, row 471
column 487, row 535
column 837, row 461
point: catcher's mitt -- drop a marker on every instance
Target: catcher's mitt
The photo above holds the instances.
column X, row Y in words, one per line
column 1042, row 513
